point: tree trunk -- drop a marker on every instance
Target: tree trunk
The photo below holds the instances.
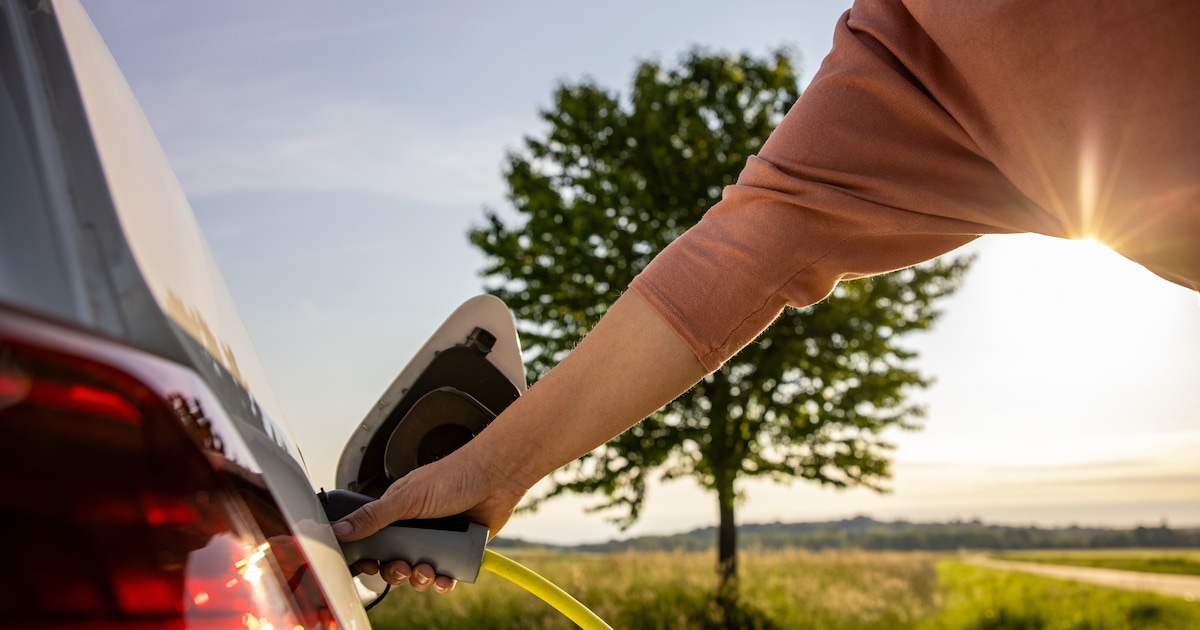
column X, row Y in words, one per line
column 724, row 462
column 726, row 534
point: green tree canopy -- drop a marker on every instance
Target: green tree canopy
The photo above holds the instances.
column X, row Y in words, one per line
column 610, row 184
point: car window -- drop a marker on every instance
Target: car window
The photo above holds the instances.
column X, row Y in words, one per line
column 32, row 273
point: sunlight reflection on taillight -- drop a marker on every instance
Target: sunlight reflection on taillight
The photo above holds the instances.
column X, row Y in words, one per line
column 251, row 597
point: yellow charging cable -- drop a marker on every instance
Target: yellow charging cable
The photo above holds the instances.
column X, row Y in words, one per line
column 543, row 589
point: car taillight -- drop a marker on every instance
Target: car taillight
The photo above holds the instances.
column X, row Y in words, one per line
column 120, row 503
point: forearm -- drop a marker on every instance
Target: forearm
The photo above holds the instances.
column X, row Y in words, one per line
column 631, row 364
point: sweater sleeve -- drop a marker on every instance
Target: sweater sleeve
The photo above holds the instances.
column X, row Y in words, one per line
column 868, row 173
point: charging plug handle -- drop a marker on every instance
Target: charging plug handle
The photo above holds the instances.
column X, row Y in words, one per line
column 453, row 545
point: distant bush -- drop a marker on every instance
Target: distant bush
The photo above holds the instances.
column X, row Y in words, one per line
column 867, row 533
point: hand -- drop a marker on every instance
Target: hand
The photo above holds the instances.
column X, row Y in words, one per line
column 457, row 484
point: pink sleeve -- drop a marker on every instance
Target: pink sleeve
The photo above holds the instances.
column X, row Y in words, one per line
column 866, row 174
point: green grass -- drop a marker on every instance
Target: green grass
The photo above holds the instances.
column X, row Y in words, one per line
column 1175, row 561
column 788, row 589
column 985, row 599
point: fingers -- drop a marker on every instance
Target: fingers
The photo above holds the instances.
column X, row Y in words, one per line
column 396, row 572
column 443, row 584
column 423, row 579
column 370, row 567
column 420, row 579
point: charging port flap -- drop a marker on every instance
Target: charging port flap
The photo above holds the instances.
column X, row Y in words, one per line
column 463, row 377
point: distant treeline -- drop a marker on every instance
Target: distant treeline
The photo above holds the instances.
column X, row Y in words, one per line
column 866, row 533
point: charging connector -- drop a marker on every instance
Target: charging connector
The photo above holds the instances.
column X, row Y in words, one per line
column 453, row 546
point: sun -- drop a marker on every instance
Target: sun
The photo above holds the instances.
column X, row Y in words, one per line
column 1093, row 245
column 1086, row 259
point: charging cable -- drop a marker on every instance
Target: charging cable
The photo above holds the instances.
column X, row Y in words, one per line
column 543, row 589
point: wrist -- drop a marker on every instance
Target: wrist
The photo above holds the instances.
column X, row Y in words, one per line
column 504, row 460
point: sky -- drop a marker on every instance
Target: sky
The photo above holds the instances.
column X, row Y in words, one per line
column 336, row 155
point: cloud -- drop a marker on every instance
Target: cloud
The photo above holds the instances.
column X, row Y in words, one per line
column 337, row 146
column 1080, row 467
column 1157, row 480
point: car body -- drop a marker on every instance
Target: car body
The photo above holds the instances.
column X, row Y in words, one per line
column 150, row 477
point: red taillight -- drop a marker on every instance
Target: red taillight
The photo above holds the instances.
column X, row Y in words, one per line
column 118, row 503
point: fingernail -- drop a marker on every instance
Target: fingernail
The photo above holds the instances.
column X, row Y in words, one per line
column 398, row 578
column 420, row 578
column 441, row 589
column 342, row 529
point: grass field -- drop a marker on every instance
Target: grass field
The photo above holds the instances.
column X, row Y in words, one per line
column 789, row 589
column 984, row 599
column 1176, row 561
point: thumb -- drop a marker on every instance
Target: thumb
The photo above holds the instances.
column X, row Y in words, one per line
column 374, row 516
column 360, row 523
column 440, row 488
column 407, row 497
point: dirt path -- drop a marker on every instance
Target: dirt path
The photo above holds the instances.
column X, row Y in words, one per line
column 1184, row 586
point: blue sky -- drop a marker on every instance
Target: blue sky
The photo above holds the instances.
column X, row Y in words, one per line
column 337, row 154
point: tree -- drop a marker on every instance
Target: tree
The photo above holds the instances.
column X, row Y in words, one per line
column 611, row 183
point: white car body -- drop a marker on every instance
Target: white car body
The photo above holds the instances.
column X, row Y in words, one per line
column 102, row 263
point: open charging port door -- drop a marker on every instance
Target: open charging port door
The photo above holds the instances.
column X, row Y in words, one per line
column 468, row 372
